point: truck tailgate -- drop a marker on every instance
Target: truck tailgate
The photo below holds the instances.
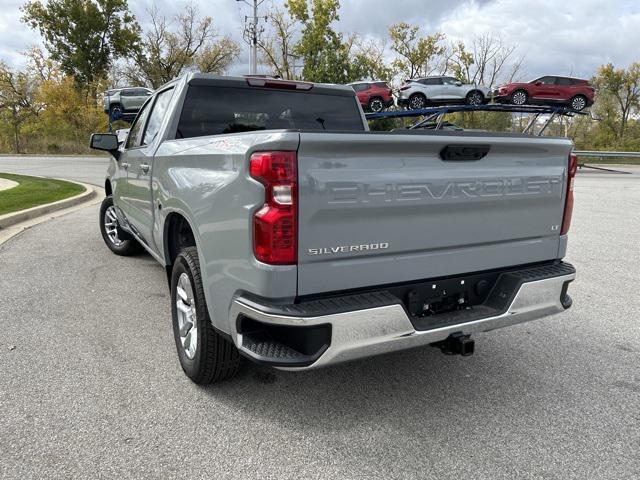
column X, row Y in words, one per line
column 376, row 209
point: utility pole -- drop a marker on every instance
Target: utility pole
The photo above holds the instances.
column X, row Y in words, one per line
column 251, row 32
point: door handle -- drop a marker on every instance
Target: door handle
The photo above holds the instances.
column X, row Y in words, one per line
column 144, row 168
column 124, row 165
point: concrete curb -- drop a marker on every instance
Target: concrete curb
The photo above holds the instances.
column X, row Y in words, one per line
column 13, row 218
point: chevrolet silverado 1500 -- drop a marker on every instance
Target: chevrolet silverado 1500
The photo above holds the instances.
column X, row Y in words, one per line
column 293, row 236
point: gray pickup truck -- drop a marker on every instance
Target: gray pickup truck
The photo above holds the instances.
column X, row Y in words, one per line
column 293, row 236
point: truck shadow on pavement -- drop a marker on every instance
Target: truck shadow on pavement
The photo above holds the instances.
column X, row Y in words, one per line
column 397, row 387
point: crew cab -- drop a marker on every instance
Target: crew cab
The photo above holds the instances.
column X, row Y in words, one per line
column 575, row 93
column 293, row 236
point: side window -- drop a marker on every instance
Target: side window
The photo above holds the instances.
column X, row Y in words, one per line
column 431, row 81
column 565, row 81
column 449, row 81
column 127, row 92
column 547, row 80
column 135, row 134
column 156, row 116
column 359, row 87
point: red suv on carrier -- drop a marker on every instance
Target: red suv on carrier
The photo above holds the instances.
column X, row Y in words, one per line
column 373, row 96
column 573, row 92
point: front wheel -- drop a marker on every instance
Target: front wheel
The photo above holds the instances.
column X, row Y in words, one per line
column 118, row 241
column 578, row 103
column 205, row 355
column 519, row 97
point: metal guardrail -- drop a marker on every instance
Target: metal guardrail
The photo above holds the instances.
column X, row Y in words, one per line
column 599, row 154
column 604, row 154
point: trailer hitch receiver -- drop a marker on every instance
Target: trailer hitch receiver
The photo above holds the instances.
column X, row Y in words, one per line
column 457, row 344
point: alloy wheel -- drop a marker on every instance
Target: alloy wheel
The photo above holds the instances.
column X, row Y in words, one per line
column 111, row 226
column 578, row 103
column 417, row 101
column 519, row 98
column 475, row 99
column 376, row 105
column 187, row 316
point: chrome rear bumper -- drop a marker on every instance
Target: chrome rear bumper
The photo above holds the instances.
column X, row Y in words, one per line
column 372, row 331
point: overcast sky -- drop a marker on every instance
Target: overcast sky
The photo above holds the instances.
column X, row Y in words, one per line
column 555, row 36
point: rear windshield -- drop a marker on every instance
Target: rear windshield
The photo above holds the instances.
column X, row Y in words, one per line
column 211, row 110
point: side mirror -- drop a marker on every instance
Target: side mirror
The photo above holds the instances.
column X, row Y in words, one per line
column 538, row 84
column 105, row 141
column 458, row 83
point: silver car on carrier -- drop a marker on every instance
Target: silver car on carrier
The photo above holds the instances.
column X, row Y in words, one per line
column 420, row 92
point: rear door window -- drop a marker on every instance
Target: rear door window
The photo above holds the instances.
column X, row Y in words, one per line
column 135, row 134
column 211, row 110
column 431, row 81
column 564, row 81
column 157, row 115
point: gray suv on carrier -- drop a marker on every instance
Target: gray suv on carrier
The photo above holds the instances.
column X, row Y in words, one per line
column 125, row 100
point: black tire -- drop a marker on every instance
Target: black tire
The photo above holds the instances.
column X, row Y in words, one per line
column 216, row 358
column 417, row 101
column 519, row 97
column 578, row 103
column 125, row 245
column 115, row 112
column 375, row 105
column 475, row 97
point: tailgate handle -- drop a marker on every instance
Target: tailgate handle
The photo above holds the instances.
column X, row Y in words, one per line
column 464, row 153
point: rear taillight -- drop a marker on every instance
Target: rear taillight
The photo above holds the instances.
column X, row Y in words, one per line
column 568, row 204
column 275, row 228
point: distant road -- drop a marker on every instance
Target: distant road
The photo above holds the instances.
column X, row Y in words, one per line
column 83, row 169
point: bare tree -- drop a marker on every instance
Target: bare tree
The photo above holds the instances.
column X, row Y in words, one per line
column 487, row 62
column 40, row 65
column 277, row 46
column 171, row 48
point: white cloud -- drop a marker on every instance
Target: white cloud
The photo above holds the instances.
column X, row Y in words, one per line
column 556, row 37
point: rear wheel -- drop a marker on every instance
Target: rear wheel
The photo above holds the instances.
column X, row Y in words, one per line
column 205, row 355
column 578, row 103
column 519, row 97
column 475, row 98
column 376, row 105
column 118, row 241
column 417, row 101
column 115, row 112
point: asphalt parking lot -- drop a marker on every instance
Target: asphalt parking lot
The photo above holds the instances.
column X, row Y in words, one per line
column 90, row 385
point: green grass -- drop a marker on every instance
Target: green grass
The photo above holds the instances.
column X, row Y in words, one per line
column 34, row 191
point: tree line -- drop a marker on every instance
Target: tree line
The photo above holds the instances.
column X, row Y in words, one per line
column 53, row 103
